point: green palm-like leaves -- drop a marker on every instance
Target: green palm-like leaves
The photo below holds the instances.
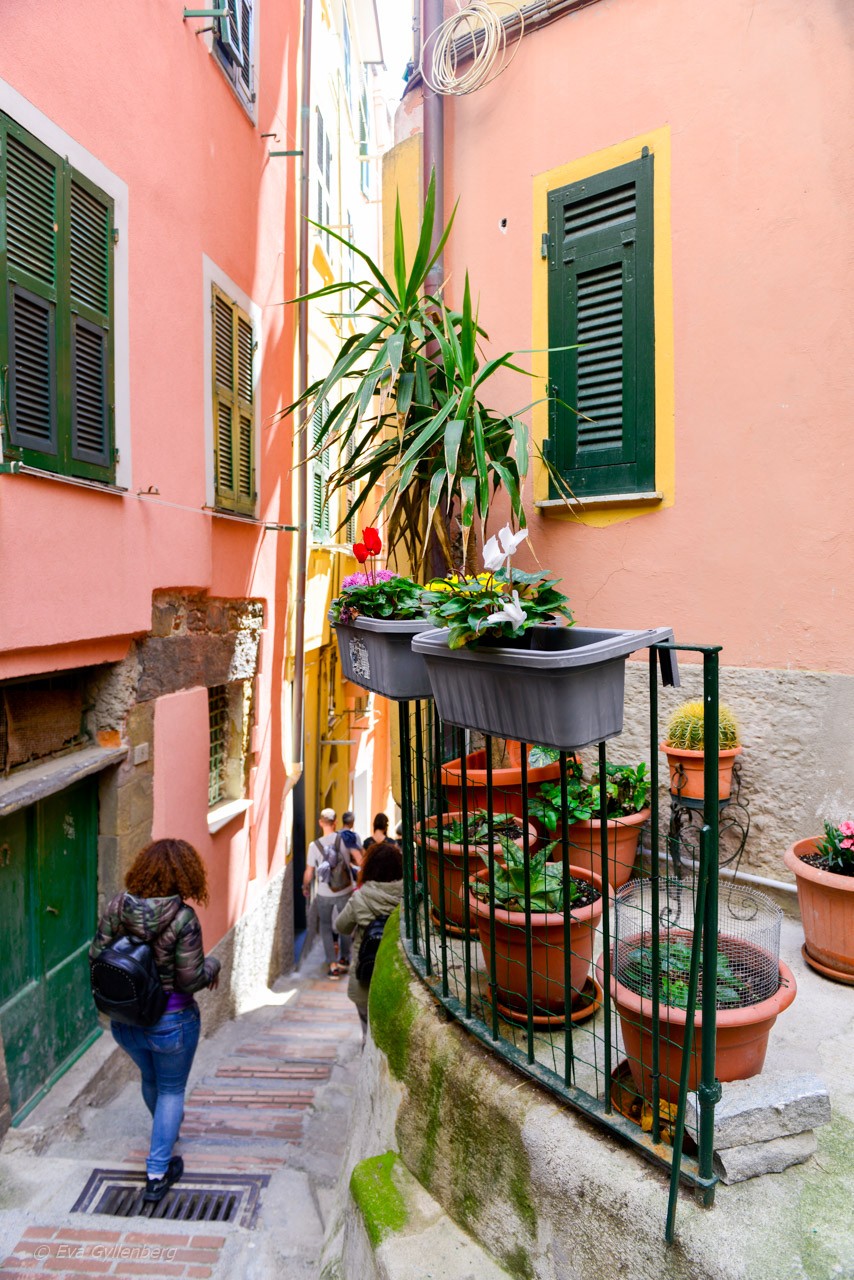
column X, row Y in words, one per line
column 405, row 408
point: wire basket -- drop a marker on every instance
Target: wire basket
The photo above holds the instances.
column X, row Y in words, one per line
column 748, row 968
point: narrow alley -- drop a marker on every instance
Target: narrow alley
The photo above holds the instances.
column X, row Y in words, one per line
column 266, row 1121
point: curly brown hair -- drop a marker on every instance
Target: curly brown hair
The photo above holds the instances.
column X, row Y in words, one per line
column 166, row 867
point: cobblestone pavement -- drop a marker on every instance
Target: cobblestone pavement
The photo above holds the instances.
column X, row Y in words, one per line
column 268, row 1106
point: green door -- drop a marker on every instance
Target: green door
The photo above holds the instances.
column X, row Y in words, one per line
column 48, row 860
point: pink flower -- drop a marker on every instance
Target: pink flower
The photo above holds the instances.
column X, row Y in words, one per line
column 846, row 828
column 363, row 580
column 847, row 844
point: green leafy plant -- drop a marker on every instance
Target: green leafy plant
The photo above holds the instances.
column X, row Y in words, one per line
column 390, row 596
column 686, row 726
column 405, row 403
column 546, row 880
column 626, row 788
column 637, row 971
column 837, row 848
column 501, row 602
column 540, row 756
column 477, row 828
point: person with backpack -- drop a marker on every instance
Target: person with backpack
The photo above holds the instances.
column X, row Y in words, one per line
column 328, row 864
column 147, row 961
column 352, row 840
column 379, row 893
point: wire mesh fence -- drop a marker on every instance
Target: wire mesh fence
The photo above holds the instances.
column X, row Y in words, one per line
column 535, row 928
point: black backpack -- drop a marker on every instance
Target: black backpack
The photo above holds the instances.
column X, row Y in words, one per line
column 371, row 939
column 126, row 985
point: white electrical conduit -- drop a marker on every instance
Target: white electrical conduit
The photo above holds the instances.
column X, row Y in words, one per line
column 479, row 24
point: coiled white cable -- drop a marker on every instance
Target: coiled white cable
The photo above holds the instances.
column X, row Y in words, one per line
column 479, row 27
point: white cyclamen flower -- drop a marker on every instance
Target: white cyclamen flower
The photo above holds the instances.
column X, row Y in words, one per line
column 510, row 541
column 493, row 556
column 498, row 550
column 513, row 611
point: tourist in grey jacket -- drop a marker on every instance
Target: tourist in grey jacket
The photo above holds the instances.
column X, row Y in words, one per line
column 378, row 894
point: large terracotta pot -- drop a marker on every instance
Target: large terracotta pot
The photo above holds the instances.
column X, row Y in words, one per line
column 585, row 848
column 453, row 868
column 826, row 901
column 686, row 772
column 741, row 1042
column 506, row 783
column 547, row 939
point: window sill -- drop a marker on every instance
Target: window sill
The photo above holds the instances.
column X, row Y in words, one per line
column 12, row 467
column 225, row 813
column 599, row 502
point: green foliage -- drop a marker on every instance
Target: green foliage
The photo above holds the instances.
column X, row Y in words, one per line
column 493, row 606
column 685, row 728
column 477, row 826
column 546, row 878
column 405, row 406
column 627, row 792
column 837, row 848
column 397, row 598
column 540, row 756
column 636, row 972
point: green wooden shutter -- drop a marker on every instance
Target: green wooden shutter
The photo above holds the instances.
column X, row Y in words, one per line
column 602, row 437
column 319, row 477
column 234, row 405
column 55, row 310
column 245, row 68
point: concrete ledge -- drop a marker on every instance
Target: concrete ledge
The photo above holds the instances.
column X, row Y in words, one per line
column 45, row 779
column 549, row 1196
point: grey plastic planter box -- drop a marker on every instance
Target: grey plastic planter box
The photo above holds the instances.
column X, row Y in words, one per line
column 565, row 692
column 377, row 655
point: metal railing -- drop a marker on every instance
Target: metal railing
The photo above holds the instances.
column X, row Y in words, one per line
column 546, row 1004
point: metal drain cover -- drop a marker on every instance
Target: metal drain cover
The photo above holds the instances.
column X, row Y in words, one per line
column 198, row 1197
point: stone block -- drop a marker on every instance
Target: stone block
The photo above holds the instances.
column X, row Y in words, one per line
column 140, row 724
column 737, row 1164
column 165, row 618
column 771, row 1105
column 184, row 662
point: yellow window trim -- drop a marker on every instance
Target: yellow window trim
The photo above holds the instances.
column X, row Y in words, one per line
column 611, row 512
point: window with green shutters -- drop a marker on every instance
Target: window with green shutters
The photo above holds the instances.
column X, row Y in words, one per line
column 600, row 297
column 234, row 405
column 320, row 530
column 234, row 40
column 56, row 312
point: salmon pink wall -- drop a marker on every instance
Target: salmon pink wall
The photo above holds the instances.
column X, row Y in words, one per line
column 756, row 551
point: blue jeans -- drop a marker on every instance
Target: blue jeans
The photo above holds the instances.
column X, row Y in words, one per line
column 164, row 1054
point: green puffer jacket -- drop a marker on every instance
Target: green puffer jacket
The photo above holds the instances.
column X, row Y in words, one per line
column 375, row 898
column 173, row 930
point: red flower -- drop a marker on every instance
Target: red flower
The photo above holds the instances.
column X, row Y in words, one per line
column 372, row 541
column 360, row 551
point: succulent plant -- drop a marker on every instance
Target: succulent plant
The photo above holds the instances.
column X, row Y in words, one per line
column 685, row 728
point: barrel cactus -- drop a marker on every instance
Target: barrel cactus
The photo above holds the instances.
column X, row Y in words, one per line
column 685, row 728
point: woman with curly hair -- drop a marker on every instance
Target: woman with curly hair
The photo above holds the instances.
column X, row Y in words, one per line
column 165, row 874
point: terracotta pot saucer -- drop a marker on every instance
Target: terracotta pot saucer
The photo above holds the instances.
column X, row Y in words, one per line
column 836, row 974
column 452, row 930
column 586, row 1005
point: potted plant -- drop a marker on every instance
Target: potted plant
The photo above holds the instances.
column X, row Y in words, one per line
column 824, row 870
column 499, row 664
column 749, row 996
column 549, row 899
column 627, row 793
column 543, row 765
column 505, row 826
column 684, row 748
column 375, row 617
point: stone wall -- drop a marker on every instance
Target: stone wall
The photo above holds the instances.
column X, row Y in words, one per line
column 797, row 767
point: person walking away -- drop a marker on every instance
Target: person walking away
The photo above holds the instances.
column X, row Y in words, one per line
column 380, row 832
column 164, row 876
column 352, row 840
column 379, row 893
column 328, row 866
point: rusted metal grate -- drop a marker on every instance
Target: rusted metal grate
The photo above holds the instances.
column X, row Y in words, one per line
column 197, row 1198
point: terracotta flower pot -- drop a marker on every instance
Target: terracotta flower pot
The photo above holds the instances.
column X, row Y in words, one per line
column 506, row 783
column 826, row 901
column 453, row 868
column 686, row 772
column 585, row 849
column 741, row 1042
column 547, row 939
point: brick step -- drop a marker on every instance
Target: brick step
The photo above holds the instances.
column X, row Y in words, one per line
column 275, row 1071
column 291, row 1051
column 240, row 1125
column 251, row 1099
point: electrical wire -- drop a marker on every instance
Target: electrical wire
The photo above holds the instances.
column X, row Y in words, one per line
column 479, row 28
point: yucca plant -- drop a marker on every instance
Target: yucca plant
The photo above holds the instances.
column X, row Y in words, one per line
column 686, row 725
column 405, row 408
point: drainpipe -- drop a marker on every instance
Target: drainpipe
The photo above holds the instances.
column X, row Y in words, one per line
column 433, row 133
column 299, row 831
